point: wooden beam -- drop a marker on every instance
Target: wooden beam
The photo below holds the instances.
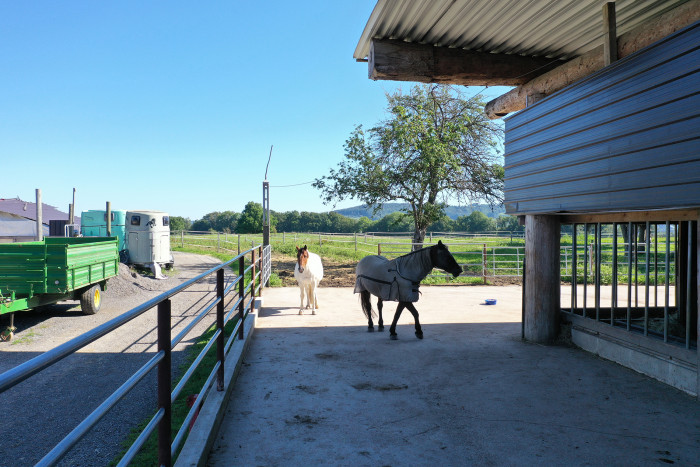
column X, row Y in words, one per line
column 542, row 303
column 404, row 61
column 632, row 216
column 609, row 34
column 590, row 62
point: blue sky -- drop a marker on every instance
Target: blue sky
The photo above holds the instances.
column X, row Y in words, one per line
column 174, row 105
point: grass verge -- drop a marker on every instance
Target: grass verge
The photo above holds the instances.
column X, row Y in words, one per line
column 148, row 456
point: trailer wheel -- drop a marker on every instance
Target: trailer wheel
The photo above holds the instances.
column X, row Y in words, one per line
column 90, row 300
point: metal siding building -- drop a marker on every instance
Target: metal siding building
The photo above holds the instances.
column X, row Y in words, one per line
column 627, row 137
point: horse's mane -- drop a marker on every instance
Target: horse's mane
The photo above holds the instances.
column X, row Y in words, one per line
column 410, row 259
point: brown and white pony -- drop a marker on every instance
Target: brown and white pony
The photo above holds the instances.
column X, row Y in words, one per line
column 308, row 272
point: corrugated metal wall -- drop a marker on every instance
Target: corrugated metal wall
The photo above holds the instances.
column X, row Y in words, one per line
column 626, row 138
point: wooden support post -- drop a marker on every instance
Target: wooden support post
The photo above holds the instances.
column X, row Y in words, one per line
column 697, row 294
column 542, row 294
column 108, row 210
column 39, row 221
column 609, row 34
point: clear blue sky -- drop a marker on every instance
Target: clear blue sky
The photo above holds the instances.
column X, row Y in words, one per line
column 173, row 105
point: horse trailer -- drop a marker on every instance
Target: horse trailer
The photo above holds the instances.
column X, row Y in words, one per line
column 148, row 238
column 94, row 224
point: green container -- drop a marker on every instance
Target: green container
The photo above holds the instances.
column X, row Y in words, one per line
column 93, row 223
column 57, row 268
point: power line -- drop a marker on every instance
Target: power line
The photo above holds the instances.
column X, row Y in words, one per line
column 296, row 184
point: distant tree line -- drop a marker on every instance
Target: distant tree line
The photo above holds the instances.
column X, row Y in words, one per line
column 250, row 221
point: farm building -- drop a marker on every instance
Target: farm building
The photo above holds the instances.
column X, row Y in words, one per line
column 602, row 158
column 18, row 220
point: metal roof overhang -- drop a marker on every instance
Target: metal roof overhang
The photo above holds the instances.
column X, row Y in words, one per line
column 558, row 30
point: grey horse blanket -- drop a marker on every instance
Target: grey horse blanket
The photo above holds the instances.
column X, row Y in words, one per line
column 383, row 278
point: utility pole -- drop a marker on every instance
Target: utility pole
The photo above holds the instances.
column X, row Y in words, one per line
column 266, row 208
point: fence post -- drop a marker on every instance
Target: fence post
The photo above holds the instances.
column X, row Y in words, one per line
column 379, row 249
column 319, row 240
column 218, row 241
column 355, row 242
column 517, row 259
column 239, row 244
column 252, row 278
column 283, row 238
column 221, row 340
column 493, row 251
column 241, row 295
column 484, row 258
column 261, row 259
column 164, row 383
column 182, row 239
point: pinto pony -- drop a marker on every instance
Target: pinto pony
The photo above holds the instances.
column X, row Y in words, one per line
column 398, row 280
column 308, row 272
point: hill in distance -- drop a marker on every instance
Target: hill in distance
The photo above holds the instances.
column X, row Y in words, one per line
column 453, row 212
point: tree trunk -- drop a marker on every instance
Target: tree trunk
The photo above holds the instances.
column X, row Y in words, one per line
column 624, row 228
column 418, row 237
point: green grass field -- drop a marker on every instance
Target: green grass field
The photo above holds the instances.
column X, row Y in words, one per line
column 480, row 256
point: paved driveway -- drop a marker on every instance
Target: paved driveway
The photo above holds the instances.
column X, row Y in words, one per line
column 321, row 390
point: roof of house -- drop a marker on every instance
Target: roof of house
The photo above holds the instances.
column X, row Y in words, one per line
column 537, row 28
column 27, row 209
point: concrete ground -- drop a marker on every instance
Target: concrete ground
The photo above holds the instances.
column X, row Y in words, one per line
column 321, row 390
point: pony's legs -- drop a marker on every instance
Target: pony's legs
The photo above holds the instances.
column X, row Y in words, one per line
column 367, row 309
column 392, row 329
column 380, row 305
column 301, row 298
column 315, row 296
column 414, row 312
column 312, row 296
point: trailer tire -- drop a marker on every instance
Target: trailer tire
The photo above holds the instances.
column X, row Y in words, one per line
column 91, row 300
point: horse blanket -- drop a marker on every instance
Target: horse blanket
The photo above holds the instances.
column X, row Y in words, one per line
column 383, row 279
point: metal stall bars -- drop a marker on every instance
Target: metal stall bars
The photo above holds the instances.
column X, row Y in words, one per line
column 621, row 256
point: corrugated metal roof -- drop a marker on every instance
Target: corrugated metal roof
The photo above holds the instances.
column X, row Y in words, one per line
column 27, row 209
column 560, row 29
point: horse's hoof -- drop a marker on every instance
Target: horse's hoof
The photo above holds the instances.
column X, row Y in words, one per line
column 301, row 312
column 380, row 328
column 393, row 337
column 419, row 335
column 313, row 312
column 370, row 328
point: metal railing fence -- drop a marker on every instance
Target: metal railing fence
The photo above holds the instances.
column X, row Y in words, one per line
column 237, row 297
column 644, row 284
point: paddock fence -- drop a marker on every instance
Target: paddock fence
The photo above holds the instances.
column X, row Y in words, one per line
column 230, row 303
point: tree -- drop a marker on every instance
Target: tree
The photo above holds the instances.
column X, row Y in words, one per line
column 251, row 219
column 507, row 223
column 226, row 221
column 178, row 223
column 435, row 145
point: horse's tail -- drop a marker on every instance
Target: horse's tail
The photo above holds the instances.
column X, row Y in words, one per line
column 367, row 305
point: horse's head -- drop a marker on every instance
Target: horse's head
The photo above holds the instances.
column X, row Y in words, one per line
column 302, row 257
column 443, row 259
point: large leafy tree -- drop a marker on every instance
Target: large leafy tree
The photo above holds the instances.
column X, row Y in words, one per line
column 251, row 219
column 435, row 145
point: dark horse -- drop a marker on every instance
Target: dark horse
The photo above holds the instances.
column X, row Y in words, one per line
column 398, row 280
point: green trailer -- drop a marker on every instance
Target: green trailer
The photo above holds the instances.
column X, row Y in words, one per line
column 40, row 273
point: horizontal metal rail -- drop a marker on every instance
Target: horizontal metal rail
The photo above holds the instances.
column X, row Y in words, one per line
column 162, row 357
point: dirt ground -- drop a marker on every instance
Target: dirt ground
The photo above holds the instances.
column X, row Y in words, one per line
column 342, row 274
column 335, row 274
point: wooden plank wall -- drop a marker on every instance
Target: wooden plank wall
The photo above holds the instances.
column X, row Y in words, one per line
column 625, row 138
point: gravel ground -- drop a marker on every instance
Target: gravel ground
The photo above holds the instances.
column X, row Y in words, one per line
column 42, row 410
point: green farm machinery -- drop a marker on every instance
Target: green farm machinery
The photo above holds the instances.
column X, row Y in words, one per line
column 39, row 273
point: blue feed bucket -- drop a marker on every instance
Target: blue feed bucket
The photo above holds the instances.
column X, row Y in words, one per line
column 490, row 301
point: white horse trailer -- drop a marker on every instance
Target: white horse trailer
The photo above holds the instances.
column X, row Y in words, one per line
column 148, row 238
